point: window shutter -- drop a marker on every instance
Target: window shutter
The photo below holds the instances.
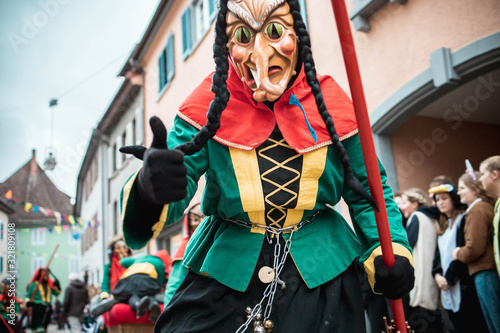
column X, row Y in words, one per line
column 303, row 12
column 212, row 8
column 186, row 33
column 170, row 58
column 161, row 70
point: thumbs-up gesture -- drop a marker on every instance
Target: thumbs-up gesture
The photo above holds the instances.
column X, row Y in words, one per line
column 163, row 177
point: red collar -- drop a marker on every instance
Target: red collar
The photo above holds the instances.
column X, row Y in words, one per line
column 246, row 124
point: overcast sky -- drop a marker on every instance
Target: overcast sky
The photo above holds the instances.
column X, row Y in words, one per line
column 66, row 49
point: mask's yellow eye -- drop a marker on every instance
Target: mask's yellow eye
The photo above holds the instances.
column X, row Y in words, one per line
column 243, row 35
column 274, row 30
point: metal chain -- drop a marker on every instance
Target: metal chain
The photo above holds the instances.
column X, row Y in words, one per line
column 278, row 264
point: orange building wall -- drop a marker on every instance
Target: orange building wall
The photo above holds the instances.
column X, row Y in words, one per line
column 396, row 49
column 188, row 73
column 401, row 39
column 427, row 147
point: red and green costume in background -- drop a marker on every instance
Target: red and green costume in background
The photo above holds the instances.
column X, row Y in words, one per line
column 41, row 301
column 238, row 164
column 6, row 304
column 112, row 274
column 178, row 270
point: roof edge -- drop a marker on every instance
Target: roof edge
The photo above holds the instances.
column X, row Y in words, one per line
column 141, row 48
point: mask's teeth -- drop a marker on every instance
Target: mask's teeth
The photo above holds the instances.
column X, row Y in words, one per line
column 256, row 77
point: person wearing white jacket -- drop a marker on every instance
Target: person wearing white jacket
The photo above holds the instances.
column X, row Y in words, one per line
column 422, row 310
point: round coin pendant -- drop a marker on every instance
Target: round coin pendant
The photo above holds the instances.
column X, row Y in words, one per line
column 266, row 274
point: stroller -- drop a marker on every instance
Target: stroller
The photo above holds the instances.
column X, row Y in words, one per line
column 91, row 324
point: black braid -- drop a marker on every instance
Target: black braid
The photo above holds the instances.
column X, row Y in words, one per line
column 305, row 55
column 219, row 87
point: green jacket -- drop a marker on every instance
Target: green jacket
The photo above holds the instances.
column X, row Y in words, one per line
column 148, row 264
column 321, row 250
column 41, row 297
column 105, row 286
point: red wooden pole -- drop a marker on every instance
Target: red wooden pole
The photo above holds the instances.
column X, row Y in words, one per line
column 367, row 145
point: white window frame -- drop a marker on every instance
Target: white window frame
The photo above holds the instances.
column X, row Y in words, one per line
column 37, row 237
column 73, row 265
column 36, row 263
column 201, row 14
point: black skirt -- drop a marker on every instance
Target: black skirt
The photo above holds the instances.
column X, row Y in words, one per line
column 204, row 305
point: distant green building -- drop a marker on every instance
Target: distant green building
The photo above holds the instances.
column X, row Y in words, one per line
column 43, row 220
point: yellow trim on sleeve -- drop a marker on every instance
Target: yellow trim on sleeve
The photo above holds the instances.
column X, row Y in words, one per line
column 126, row 192
column 369, row 263
column 246, row 169
column 141, row 268
column 158, row 226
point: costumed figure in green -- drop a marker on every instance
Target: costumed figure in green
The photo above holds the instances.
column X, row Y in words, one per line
column 278, row 148
column 143, row 279
column 40, row 290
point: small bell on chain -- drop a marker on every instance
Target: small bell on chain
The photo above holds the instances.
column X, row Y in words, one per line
column 391, row 328
column 268, row 326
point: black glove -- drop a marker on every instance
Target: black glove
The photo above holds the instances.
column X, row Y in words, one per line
column 396, row 282
column 57, row 284
column 163, row 177
column 137, row 151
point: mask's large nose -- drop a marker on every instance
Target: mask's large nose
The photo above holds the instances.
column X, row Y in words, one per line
column 261, row 54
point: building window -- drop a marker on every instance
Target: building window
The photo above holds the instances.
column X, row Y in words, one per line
column 303, row 11
column 1, row 230
column 36, row 263
column 186, row 33
column 134, row 132
column 115, row 217
column 196, row 21
column 166, row 64
column 124, row 143
column 73, row 265
column 113, row 158
column 37, row 236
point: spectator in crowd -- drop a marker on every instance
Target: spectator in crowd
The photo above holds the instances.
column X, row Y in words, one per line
column 10, row 305
column 192, row 218
column 398, row 199
column 458, row 292
column 75, row 298
column 60, row 315
column 422, row 304
column 40, row 290
column 113, row 270
column 490, row 178
column 436, row 181
column 477, row 252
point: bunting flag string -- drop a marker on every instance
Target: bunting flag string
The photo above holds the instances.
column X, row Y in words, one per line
column 44, row 254
column 60, row 218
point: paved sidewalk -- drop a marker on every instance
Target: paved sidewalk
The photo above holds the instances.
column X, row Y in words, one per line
column 52, row 328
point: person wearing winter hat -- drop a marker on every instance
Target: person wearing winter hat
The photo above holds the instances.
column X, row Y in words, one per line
column 76, row 296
